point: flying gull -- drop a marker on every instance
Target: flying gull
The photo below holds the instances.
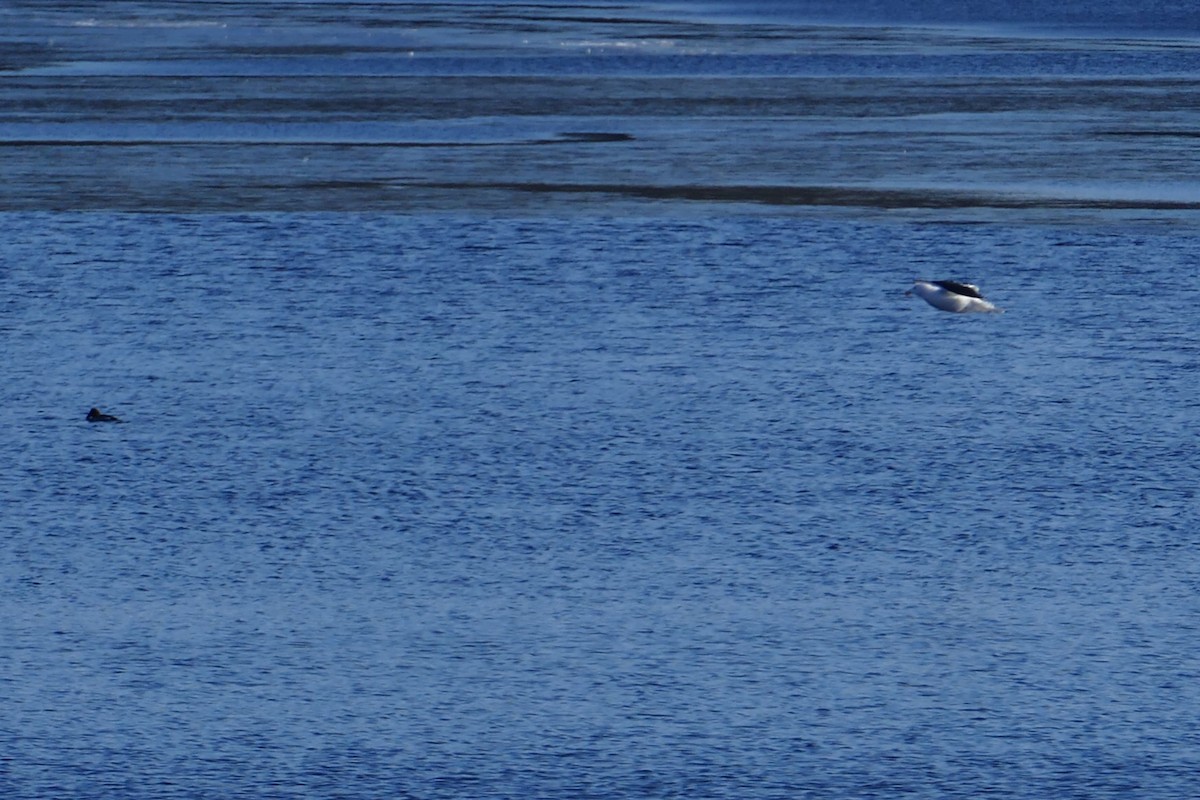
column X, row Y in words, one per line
column 952, row 296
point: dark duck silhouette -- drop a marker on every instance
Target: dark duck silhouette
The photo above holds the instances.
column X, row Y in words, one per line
column 96, row 416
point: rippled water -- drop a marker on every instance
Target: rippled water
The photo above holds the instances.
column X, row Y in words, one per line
column 322, row 106
column 508, row 420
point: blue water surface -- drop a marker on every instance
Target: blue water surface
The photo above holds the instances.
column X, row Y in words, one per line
column 526, row 404
column 1167, row 18
column 611, row 507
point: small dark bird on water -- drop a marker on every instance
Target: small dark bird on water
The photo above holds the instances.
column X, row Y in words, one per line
column 95, row 416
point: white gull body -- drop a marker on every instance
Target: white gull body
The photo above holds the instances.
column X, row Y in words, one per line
column 953, row 296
